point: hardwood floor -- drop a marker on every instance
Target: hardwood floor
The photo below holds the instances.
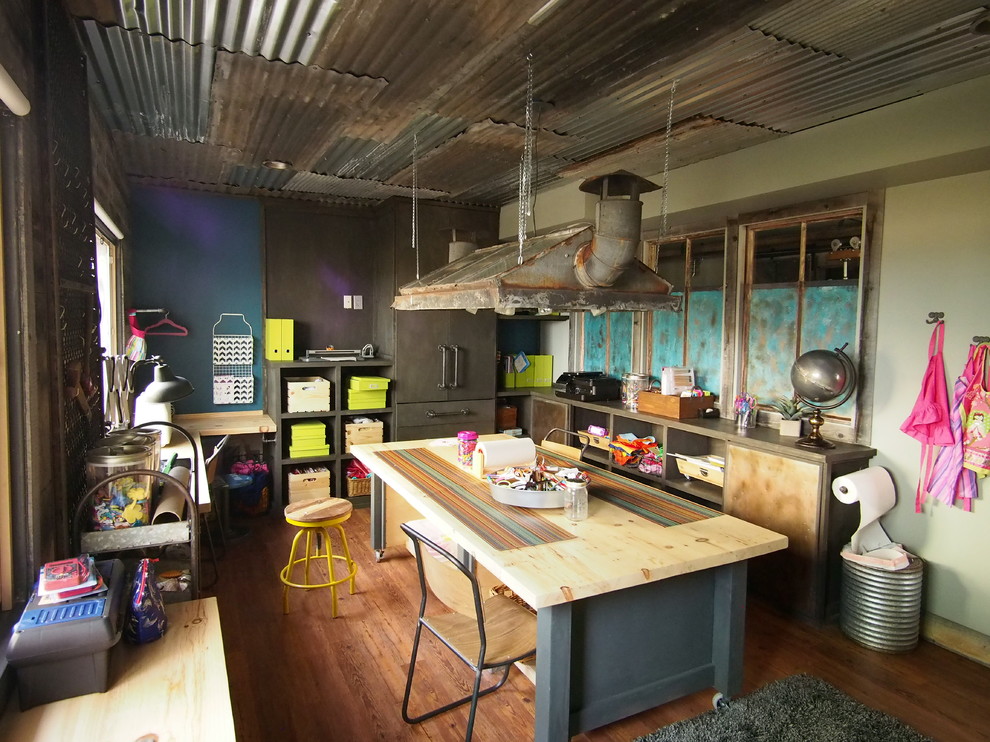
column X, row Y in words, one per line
column 305, row 676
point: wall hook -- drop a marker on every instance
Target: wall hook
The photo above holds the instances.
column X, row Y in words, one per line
column 980, row 339
column 934, row 317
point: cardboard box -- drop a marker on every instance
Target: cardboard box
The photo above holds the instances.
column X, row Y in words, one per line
column 368, row 383
column 307, row 394
column 356, row 433
column 667, row 405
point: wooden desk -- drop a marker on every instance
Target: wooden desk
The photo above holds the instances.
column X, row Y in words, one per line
column 630, row 614
column 174, row 688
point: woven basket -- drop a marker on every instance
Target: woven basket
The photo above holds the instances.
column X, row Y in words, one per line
column 359, row 486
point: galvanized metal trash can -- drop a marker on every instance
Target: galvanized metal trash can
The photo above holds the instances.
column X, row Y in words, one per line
column 881, row 609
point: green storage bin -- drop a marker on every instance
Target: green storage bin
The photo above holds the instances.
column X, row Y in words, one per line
column 369, row 383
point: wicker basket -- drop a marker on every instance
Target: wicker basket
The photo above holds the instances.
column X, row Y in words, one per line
column 358, row 486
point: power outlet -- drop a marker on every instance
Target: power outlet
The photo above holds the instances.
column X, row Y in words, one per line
column 348, row 302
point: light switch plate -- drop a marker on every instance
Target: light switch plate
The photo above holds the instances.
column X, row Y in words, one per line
column 358, row 301
column 347, row 302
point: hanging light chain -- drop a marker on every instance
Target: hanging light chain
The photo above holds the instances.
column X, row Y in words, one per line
column 526, row 165
column 415, row 202
column 666, row 160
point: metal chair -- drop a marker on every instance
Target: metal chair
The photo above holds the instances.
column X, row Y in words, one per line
column 485, row 635
column 563, row 448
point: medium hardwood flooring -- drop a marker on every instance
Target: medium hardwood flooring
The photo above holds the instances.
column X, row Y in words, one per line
column 305, row 676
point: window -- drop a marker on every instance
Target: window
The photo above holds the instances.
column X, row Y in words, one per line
column 107, row 272
column 695, row 266
column 801, row 291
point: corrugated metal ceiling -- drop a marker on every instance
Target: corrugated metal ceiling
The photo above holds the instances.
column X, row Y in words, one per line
column 201, row 94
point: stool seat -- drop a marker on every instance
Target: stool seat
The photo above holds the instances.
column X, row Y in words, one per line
column 313, row 511
column 316, row 519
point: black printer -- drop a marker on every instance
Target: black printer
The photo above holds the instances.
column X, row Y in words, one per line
column 587, row 386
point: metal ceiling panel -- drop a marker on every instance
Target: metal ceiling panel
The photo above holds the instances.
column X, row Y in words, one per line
column 856, row 28
column 285, row 112
column 274, row 29
column 175, row 160
column 148, row 85
column 353, row 187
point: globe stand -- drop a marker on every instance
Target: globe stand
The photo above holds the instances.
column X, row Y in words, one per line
column 815, row 439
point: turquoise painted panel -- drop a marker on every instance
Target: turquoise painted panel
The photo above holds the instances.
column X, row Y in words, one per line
column 829, row 321
column 704, row 338
column 619, row 343
column 594, row 342
column 668, row 341
column 772, row 342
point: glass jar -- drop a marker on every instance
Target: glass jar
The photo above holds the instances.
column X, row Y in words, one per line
column 467, row 441
column 124, row 502
column 575, row 499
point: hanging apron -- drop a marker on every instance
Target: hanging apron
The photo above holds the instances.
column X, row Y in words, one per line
column 928, row 421
column 951, row 483
column 976, row 419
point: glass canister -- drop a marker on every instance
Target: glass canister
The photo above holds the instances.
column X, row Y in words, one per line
column 632, row 385
column 136, row 437
column 126, row 501
column 575, row 499
column 467, row 441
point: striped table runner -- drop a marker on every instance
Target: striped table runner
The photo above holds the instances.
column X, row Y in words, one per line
column 467, row 499
column 507, row 527
column 648, row 502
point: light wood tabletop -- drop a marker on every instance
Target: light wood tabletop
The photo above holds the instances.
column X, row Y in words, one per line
column 613, row 549
column 174, row 689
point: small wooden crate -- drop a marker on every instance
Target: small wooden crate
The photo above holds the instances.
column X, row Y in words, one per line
column 355, row 433
column 356, row 487
column 307, row 394
column 668, row 405
column 309, row 483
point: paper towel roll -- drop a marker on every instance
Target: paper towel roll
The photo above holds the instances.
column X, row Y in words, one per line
column 514, row 452
column 873, row 489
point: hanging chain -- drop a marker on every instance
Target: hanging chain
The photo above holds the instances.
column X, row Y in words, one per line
column 526, row 164
column 415, row 203
column 666, row 160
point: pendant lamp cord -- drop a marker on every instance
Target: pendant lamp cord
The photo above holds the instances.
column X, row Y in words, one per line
column 415, row 203
column 666, row 159
column 526, row 164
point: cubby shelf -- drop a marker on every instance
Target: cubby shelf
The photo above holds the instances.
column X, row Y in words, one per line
column 338, row 373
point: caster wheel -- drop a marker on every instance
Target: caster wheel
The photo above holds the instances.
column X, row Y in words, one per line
column 379, row 554
column 720, row 702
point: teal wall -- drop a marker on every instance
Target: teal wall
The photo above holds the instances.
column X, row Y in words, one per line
column 196, row 255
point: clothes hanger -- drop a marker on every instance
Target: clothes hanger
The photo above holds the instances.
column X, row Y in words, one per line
column 166, row 322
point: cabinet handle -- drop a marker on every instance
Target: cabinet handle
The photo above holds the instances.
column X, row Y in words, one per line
column 434, row 413
column 457, row 376
column 443, row 366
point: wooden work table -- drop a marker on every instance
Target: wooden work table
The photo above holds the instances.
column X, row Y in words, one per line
column 630, row 614
column 171, row 689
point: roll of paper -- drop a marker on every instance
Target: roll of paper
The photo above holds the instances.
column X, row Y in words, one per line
column 172, row 502
column 514, row 452
column 873, row 489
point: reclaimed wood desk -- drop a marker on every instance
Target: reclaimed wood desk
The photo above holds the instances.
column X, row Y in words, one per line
column 630, row 614
column 171, row 689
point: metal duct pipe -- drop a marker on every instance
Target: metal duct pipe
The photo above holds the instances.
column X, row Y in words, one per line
column 617, row 228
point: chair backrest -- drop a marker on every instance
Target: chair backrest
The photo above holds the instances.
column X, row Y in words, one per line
column 447, row 577
column 214, row 461
column 562, row 448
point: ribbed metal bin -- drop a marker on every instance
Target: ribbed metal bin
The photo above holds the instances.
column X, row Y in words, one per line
column 881, row 609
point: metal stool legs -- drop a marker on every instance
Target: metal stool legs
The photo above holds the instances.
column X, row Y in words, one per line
column 320, row 532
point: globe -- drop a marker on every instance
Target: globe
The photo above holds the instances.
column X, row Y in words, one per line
column 824, row 379
column 819, row 376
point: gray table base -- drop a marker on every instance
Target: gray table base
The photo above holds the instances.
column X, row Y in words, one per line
column 604, row 658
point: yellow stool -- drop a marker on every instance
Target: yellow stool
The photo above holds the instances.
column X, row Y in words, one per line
column 314, row 518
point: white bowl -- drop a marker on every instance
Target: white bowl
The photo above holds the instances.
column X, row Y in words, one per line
column 528, row 498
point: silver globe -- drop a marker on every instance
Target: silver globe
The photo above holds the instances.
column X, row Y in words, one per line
column 819, row 376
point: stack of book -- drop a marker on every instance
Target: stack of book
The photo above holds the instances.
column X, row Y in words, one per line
column 65, row 579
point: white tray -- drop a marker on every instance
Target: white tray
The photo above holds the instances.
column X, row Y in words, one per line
column 528, row 498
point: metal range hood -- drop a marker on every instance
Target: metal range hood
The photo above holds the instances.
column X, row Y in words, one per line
column 583, row 267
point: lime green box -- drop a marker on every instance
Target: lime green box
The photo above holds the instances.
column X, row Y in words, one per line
column 369, row 383
column 357, row 400
column 528, row 377
column 544, row 370
column 308, row 451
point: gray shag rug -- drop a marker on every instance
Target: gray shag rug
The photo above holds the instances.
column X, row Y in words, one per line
column 801, row 708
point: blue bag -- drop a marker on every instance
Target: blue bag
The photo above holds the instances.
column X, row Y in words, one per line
column 146, row 619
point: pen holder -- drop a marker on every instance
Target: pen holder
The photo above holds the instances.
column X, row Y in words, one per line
column 746, row 419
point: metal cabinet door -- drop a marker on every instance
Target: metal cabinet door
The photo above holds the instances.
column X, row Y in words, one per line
column 418, row 360
column 471, row 338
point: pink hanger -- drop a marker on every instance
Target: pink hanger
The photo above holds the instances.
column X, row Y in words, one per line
column 166, row 322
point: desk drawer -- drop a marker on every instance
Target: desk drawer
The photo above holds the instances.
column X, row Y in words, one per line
column 444, row 419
